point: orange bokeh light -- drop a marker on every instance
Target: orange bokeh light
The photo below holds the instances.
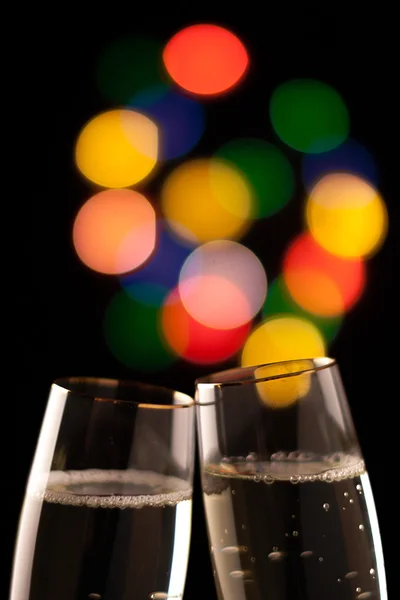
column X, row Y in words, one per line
column 195, row 342
column 205, row 59
column 320, row 282
column 115, row 231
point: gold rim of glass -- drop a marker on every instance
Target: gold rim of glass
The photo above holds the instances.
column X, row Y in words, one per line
column 88, row 386
column 245, row 375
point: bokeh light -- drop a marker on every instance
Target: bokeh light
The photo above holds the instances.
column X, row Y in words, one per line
column 180, row 120
column 267, row 170
column 128, row 65
column 280, row 302
column 349, row 157
column 347, row 215
column 205, row 59
column 282, row 338
column 151, row 283
column 309, row 115
column 222, row 284
column 288, row 387
column 207, row 199
column 189, row 289
column 133, row 334
column 117, row 148
column 320, row 282
column 195, row 342
column 115, row 231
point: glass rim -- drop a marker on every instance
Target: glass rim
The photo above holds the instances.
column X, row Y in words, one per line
column 67, row 384
column 246, row 375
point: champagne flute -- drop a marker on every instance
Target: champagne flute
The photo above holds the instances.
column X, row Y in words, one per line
column 288, row 502
column 107, row 509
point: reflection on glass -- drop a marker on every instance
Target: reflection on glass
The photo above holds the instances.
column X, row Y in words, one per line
column 289, row 508
column 107, row 509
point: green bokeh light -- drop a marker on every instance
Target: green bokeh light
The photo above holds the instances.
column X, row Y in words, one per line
column 309, row 115
column 267, row 170
column 279, row 301
column 129, row 65
column 133, row 335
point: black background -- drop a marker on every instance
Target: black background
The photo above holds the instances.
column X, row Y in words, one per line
column 58, row 305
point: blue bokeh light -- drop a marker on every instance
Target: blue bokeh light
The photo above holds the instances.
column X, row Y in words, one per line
column 181, row 120
column 155, row 279
column 350, row 157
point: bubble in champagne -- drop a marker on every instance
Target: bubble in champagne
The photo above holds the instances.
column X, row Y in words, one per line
column 253, row 559
column 268, row 479
column 295, row 533
column 321, row 559
column 326, row 506
column 358, row 589
column 233, row 549
column 276, row 556
column 372, row 571
column 346, row 494
column 351, row 575
column 240, row 574
column 361, row 527
column 306, row 553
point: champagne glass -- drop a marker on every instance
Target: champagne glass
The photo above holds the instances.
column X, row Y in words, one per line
column 288, row 503
column 107, row 509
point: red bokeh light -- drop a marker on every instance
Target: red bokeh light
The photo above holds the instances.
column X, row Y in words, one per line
column 320, row 282
column 195, row 342
column 205, row 59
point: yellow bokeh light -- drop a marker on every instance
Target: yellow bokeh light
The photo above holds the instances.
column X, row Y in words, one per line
column 346, row 215
column 287, row 388
column 207, row 199
column 117, row 148
column 283, row 338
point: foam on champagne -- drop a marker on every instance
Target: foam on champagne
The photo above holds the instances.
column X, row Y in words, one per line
column 95, row 488
column 295, row 467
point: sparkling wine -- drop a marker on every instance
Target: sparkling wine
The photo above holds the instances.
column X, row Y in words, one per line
column 103, row 535
column 298, row 527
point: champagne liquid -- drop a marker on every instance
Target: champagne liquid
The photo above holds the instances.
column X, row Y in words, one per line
column 103, row 535
column 293, row 530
